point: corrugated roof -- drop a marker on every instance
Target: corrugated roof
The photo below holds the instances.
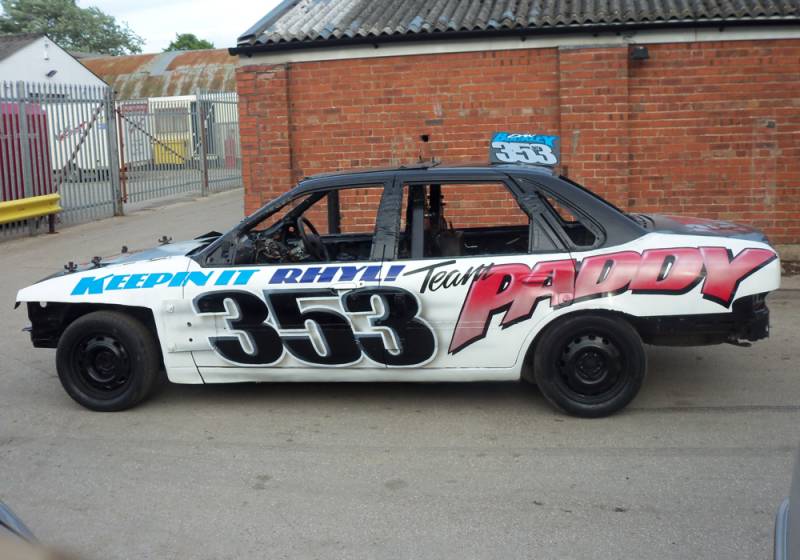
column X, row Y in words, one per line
column 338, row 21
column 9, row 44
column 166, row 74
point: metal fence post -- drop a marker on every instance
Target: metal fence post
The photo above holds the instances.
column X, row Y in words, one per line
column 112, row 143
column 201, row 117
column 25, row 148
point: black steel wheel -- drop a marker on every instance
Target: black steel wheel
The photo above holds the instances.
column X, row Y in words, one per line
column 590, row 365
column 102, row 364
column 108, row 361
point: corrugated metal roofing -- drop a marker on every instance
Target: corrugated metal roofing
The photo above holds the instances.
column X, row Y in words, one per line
column 166, row 74
column 308, row 21
column 9, row 44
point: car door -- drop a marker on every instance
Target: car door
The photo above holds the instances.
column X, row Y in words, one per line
column 293, row 320
column 482, row 266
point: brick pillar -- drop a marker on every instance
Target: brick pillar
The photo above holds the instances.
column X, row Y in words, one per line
column 593, row 99
column 264, row 129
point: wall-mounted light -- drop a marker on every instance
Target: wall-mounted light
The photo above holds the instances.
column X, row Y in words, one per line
column 639, row 52
column 51, row 73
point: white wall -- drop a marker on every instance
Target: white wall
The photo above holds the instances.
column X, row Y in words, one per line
column 33, row 62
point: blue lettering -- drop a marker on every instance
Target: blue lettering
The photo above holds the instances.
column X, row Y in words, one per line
column 310, row 275
column 89, row 285
column 156, row 278
column 349, row 273
column 135, row 281
column 394, row 272
column 328, row 274
column 317, row 274
column 372, row 274
column 178, row 280
column 224, row 278
column 116, row 281
column 244, row 277
column 198, row 278
column 286, row 276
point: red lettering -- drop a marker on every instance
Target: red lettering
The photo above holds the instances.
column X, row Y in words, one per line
column 514, row 289
column 724, row 273
column 606, row 274
column 685, row 266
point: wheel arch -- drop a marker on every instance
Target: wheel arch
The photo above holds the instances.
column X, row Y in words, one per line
column 526, row 370
column 49, row 321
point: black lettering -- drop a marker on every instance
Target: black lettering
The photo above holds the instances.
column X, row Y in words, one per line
column 414, row 340
column 249, row 319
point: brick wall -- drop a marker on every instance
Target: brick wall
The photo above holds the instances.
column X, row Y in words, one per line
column 709, row 129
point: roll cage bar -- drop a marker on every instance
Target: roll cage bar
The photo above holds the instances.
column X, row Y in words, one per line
column 527, row 184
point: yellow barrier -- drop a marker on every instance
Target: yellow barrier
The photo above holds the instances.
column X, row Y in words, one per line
column 27, row 208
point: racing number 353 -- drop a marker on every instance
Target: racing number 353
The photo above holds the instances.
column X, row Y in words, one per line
column 261, row 344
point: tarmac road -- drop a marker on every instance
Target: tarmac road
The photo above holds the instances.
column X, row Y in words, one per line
column 695, row 468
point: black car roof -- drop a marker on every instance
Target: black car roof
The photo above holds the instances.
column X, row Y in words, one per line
column 617, row 226
column 421, row 169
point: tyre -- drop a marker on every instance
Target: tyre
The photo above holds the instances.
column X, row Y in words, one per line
column 108, row 361
column 589, row 365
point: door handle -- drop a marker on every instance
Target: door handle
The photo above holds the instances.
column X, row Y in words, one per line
column 345, row 286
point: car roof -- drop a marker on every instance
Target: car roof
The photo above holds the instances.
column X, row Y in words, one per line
column 434, row 168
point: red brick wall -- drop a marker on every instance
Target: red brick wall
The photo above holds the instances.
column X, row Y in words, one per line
column 710, row 129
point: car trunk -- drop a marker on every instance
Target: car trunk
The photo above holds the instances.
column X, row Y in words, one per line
column 698, row 226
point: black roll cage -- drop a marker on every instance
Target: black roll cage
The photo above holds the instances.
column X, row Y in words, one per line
column 527, row 184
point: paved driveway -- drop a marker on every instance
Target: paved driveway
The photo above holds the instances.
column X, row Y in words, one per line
column 695, row 468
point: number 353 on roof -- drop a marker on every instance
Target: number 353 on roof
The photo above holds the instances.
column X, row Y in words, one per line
column 531, row 149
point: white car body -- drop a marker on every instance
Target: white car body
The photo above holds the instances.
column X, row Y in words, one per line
column 479, row 330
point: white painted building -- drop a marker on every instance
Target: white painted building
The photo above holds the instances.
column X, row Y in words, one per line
column 33, row 57
column 65, row 91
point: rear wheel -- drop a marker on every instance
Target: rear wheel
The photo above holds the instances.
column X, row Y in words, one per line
column 108, row 361
column 590, row 366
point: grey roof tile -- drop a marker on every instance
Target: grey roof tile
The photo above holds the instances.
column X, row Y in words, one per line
column 9, row 44
column 309, row 21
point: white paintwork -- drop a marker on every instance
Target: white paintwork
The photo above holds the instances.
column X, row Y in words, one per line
column 567, row 40
column 67, row 115
column 189, row 358
column 32, row 63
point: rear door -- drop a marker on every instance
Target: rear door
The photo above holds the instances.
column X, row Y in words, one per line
column 481, row 267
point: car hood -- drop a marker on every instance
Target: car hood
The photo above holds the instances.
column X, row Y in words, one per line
column 699, row 226
column 161, row 252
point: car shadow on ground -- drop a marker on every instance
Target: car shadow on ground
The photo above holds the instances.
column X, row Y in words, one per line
column 674, row 373
column 369, row 394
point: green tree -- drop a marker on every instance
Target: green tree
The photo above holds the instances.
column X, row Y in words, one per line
column 188, row 42
column 70, row 26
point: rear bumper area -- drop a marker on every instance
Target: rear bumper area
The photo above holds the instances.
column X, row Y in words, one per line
column 748, row 321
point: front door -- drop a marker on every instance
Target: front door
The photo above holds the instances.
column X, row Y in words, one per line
column 303, row 300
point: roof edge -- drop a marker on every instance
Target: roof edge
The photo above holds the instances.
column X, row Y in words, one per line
column 248, row 50
column 272, row 16
column 26, row 39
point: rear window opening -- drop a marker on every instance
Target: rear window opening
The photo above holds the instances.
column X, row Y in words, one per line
column 578, row 233
column 462, row 219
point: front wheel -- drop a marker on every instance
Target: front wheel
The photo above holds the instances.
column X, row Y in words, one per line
column 108, row 361
column 590, row 366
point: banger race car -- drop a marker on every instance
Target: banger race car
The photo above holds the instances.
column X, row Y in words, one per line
column 418, row 273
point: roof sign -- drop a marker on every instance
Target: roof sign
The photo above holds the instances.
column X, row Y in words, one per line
column 531, row 149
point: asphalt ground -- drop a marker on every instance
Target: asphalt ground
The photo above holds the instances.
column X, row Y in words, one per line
column 694, row 468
